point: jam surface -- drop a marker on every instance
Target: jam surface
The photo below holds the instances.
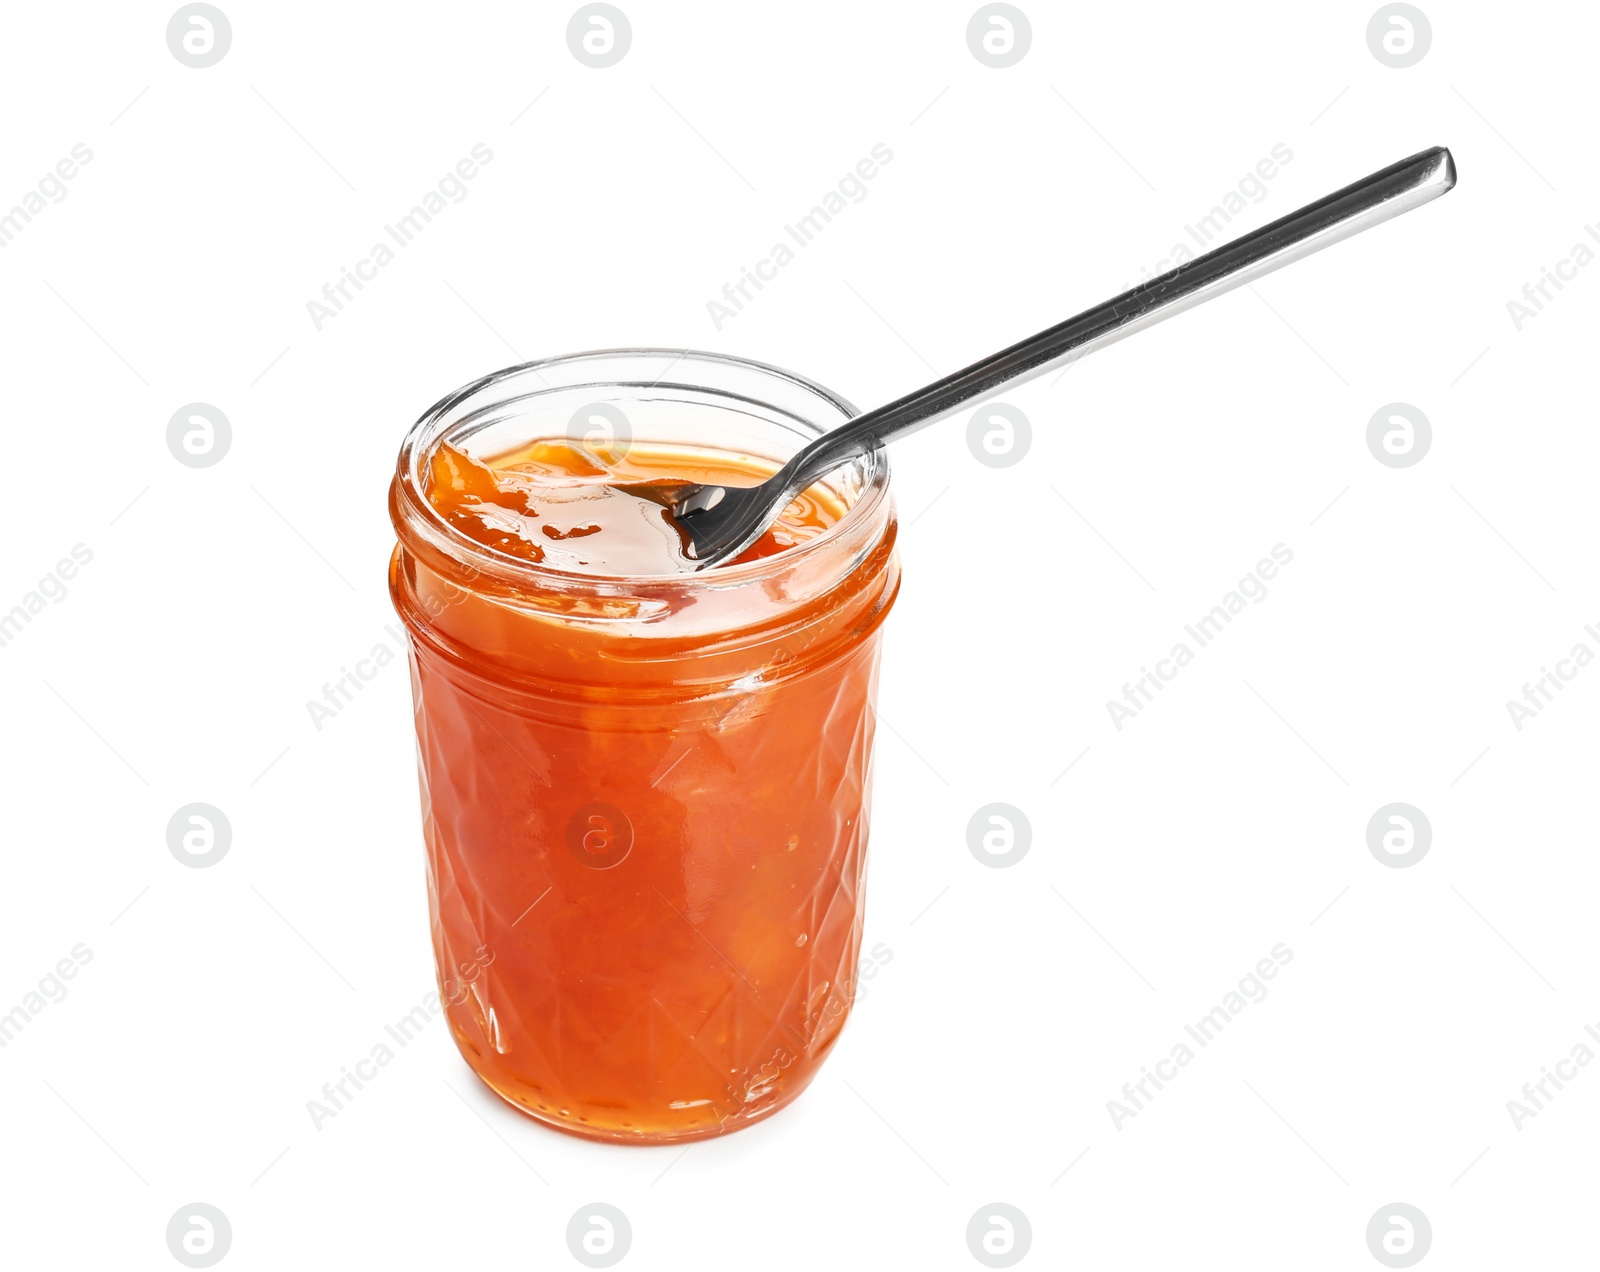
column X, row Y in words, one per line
column 560, row 504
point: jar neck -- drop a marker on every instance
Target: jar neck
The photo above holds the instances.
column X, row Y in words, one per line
column 503, row 648
column 666, row 398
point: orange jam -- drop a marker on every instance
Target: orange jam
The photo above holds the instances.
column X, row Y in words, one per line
column 645, row 790
column 558, row 503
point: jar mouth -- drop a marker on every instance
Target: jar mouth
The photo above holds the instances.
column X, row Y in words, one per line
column 751, row 385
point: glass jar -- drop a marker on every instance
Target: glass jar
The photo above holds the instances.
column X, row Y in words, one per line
column 645, row 800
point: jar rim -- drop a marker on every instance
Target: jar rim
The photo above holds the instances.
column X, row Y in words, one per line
column 410, row 505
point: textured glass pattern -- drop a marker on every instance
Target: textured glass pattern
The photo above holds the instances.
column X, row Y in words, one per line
column 647, row 917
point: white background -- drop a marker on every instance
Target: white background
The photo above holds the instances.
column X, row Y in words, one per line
column 1228, row 817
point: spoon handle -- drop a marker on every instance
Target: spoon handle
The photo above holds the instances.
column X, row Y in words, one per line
column 1368, row 202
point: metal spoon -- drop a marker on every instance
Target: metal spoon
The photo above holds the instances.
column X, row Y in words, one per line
column 719, row 522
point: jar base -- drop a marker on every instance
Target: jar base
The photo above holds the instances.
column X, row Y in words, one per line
column 620, row 1135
